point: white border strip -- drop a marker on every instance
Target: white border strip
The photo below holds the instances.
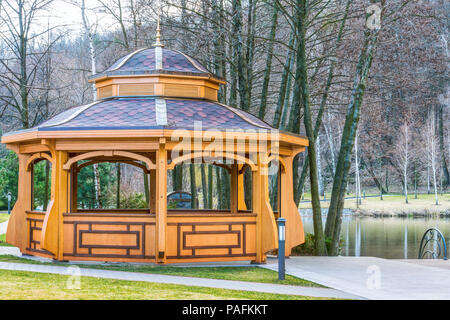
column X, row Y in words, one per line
column 158, row 58
column 161, row 112
column 243, row 117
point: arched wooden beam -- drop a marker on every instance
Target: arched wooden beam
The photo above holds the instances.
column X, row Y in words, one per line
column 279, row 159
column 94, row 154
column 206, row 155
column 40, row 156
column 135, row 156
column 135, row 164
column 244, row 167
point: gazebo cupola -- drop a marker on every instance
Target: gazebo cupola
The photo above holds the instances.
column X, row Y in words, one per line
column 157, row 71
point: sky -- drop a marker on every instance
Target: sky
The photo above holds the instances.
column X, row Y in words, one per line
column 65, row 13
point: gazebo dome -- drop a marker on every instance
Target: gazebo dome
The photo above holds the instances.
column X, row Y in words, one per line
column 157, row 71
column 156, row 60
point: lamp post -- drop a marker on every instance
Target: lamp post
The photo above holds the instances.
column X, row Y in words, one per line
column 9, row 202
column 281, row 244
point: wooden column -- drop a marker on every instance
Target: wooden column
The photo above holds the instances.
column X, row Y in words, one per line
column 294, row 227
column 256, row 208
column 161, row 202
column 266, row 227
column 240, row 193
column 234, row 188
column 63, row 198
column 52, row 237
column 16, row 233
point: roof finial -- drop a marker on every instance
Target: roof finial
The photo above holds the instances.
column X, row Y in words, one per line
column 158, row 31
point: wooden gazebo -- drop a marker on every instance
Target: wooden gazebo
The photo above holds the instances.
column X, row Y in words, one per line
column 156, row 108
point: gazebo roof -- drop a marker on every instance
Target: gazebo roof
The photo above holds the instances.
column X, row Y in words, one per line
column 155, row 60
column 151, row 89
column 152, row 113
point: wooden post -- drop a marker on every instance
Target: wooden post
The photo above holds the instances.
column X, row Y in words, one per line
column 234, row 189
column 52, row 235
column 256, row 208
column 161, row 202
column 289, row 211
column 63, row 201
column 16, row 233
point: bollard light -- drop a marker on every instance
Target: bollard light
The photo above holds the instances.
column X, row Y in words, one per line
column 281, row 247
column 9, row 202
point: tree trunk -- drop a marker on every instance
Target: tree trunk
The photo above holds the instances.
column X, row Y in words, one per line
column 302, row 90
column 266, row 80
column 334, row 218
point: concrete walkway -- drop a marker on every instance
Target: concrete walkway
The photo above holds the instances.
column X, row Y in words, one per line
column 372, row 278
column 3, row 227
column 188, row 281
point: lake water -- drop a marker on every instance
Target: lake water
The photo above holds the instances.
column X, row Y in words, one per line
column 391, row 238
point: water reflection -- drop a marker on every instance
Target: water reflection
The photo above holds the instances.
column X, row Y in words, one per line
column 392, row 238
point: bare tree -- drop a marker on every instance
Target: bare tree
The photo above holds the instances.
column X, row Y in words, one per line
column 401, row 154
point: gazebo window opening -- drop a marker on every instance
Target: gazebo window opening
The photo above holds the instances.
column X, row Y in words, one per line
column 121, row 186
column 198, row 186
column 41, row 186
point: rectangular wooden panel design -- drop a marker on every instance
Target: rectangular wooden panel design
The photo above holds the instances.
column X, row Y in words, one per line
column 174, row 90
column 34, row 236
column 105, row 92
column 212, row 239
column 136, row 89
column 109, row 239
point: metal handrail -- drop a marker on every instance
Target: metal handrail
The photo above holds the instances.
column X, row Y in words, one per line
column 433, row 235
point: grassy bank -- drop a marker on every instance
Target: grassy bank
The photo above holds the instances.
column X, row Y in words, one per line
column 250, row 274
column 394, row 204
column 20, row 285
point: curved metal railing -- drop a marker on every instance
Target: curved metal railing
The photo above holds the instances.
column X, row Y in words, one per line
column 433, row 245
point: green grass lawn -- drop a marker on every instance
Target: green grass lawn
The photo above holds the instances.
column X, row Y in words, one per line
column 4, row 217
column 251, row 274
column 393, row 203
column 20, row 285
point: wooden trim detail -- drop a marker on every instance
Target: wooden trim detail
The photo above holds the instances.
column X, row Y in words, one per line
column 276, row 158
column 93, row 154
column 133, row 163
column 38, row 156
column 208, row 155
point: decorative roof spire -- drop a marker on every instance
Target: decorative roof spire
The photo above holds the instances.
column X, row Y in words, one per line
column 158, row 33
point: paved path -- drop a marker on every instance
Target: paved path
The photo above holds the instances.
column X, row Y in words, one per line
column 188, row 281
column 3, row 227
column 372, row 278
